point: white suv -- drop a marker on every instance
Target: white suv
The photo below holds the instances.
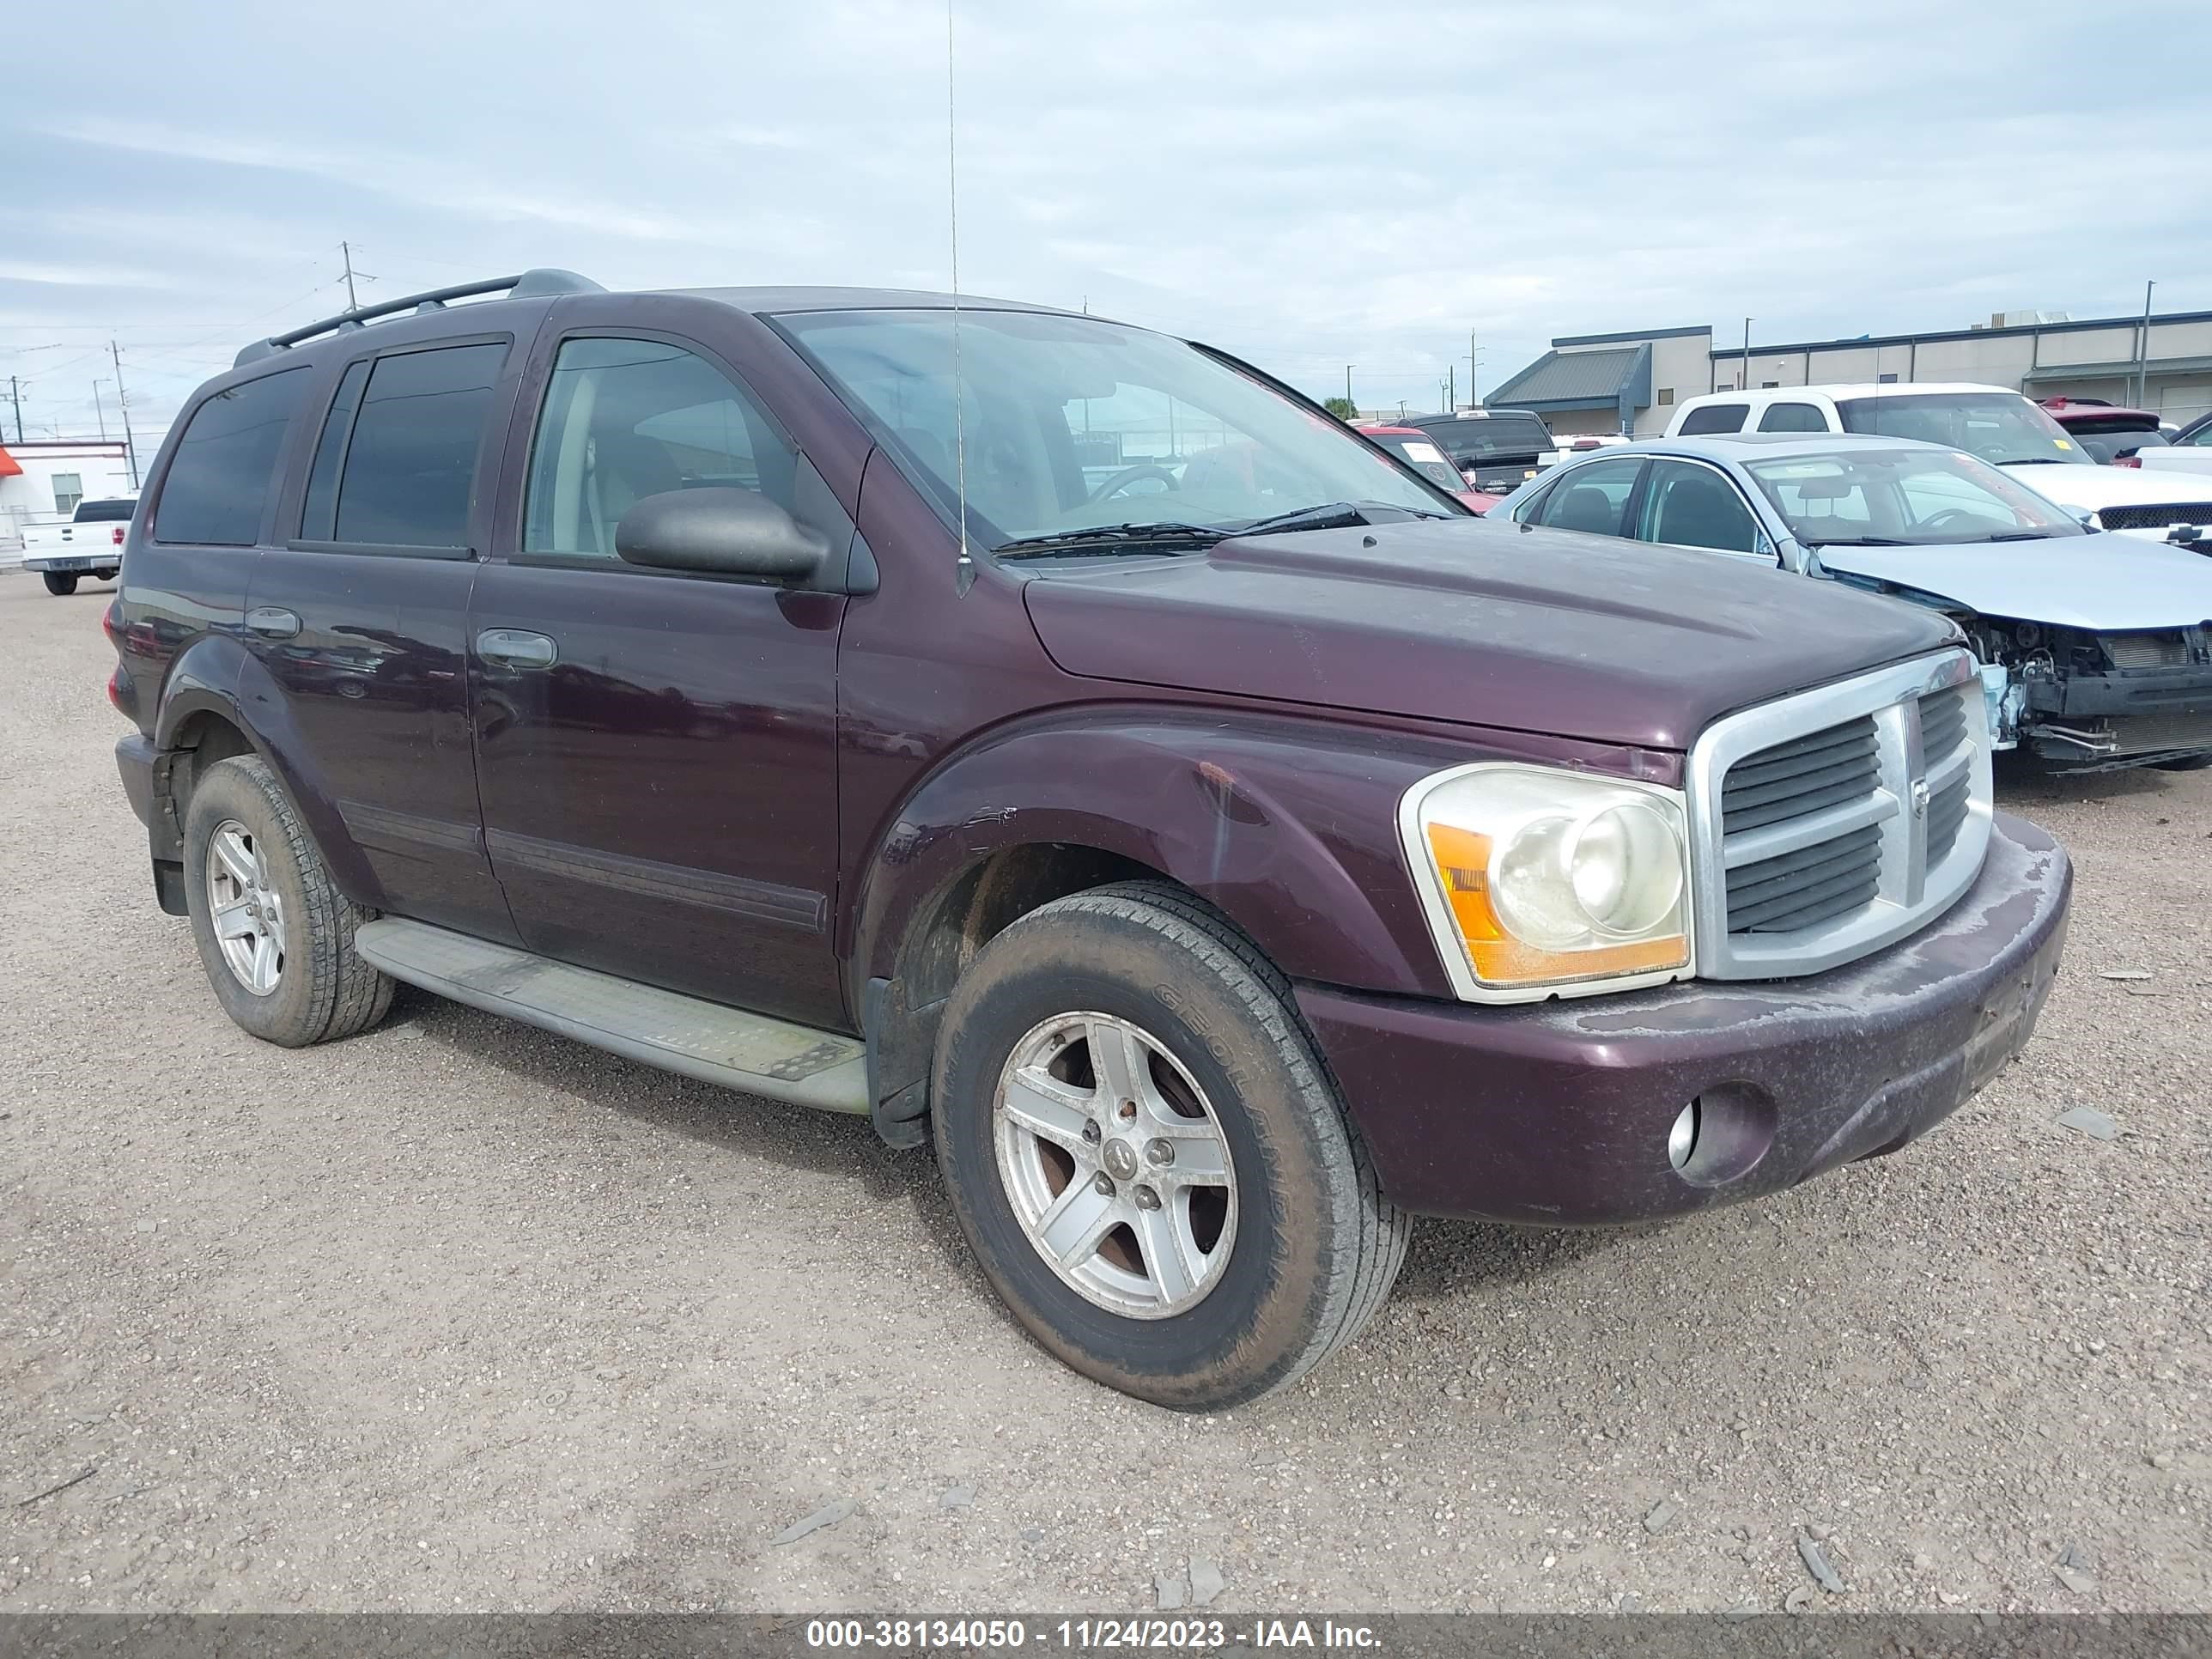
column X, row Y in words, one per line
column 1987, row 421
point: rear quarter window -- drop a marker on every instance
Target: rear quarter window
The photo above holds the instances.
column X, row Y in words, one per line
column 219, row 479
column 1714, row 418
column 111, row 512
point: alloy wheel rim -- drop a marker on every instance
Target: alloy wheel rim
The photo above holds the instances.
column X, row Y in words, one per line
column 245, row 908
column 1116, row 1165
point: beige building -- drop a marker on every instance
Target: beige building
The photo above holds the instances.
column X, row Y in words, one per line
column 1629, row 383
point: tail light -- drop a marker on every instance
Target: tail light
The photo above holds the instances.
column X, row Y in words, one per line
column 120, row 692
column 117, row 536
column 2127, row 460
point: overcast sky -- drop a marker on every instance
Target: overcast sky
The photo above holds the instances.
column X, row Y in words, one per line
column 1308, row 186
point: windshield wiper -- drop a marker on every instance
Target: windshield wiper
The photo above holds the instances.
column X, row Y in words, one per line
column 1863, row 541
column 2022, row 536
column 1111, row 538
column 1329, row 515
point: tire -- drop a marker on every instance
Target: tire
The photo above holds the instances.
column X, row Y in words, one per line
column 60, row 583
column 1305, row 1248
column 104, row 575
column 2186, row 763
column 317, row 987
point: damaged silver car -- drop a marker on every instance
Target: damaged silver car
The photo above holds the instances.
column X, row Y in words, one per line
column 2096, row 650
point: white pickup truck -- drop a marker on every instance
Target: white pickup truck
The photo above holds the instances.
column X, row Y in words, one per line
column 90, row 543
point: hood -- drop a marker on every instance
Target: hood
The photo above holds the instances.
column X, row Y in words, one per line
column 2085, row 487
column 2101, row 583
column 1474, row 621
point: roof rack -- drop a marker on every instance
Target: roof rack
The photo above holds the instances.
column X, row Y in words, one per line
column 528, row 285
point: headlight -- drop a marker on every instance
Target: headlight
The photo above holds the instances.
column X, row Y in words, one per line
column 1539, row 882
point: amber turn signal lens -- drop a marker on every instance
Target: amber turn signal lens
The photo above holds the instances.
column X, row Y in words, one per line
column 1462, row 861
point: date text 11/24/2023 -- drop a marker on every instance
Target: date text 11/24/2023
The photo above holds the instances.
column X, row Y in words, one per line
column 1083, row 1635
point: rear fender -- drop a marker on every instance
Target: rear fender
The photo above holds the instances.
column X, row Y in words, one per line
column 217, row 676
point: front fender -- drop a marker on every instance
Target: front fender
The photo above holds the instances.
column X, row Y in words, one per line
column 1285, row 825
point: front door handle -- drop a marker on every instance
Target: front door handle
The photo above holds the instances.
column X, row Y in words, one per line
column 272, row 623
column 511, row 647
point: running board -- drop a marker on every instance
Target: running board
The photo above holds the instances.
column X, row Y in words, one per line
column 747, row 1052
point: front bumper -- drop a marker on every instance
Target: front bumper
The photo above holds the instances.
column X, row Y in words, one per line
column 1559, row 1113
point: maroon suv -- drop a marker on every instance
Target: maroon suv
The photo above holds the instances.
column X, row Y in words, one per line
column 1077, row 748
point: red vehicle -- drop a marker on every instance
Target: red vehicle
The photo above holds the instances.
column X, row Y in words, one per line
column 1418, row 451
column 2107, row 433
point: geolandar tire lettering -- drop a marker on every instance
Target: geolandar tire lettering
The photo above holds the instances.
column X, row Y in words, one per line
column 1149, row 1158
column 274, row 932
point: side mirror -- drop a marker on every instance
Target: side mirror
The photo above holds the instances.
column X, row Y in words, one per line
column 722, row 531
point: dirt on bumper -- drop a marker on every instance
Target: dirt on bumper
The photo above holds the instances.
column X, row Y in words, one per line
column 1561, row 1112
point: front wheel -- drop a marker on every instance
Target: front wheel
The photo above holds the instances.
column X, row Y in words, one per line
column 1148, row 1156
column 60, row 583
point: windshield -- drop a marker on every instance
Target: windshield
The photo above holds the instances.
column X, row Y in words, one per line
column 1422, row 456
column 1900, row 497
column 1071, row 424
column 2001, row 427
column 1491, row 436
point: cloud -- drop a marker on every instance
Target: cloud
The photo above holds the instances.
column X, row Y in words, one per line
column 1305, row 184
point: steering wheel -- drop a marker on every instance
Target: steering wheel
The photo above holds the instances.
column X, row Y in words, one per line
column 1942, row 521
column 1129, row 475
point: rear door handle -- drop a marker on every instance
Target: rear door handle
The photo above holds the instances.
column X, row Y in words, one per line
column 511, row 647
column 272, row 623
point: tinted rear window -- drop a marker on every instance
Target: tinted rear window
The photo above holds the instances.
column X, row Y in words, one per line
column 2110, row 445
column 1714, row 418
column 1495, row 435
column 1792, row 418
column 410, row 464
column 105, row 512
column 218, row 482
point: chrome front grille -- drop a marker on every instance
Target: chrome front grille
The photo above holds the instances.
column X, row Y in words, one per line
column 1833, row 822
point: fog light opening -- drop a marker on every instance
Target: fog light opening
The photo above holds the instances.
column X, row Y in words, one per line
column 1682, row 1139
column 1722, row 1133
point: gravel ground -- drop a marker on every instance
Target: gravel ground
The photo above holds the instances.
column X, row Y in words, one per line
column 459, row 1315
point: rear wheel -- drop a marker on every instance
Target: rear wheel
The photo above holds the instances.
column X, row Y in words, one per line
column 2186, row 763
column 104, row 575
column 60, row 583
column 274, row 932
column 1148, row 1158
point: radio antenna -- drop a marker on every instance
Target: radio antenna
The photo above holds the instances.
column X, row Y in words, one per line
column 965, row 570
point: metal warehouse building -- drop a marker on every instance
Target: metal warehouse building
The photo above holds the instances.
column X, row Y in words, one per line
column 1607, row 383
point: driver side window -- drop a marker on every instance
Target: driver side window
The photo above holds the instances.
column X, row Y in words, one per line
column 623, row 419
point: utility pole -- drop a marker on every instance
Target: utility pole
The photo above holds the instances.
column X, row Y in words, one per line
column 1743, row 380
column 16, row 396
column 1474, row 351
column 100, row 410
column 122, row 403
column 1348, row 388
column 2142, row 354
column 1451, row 387
column 346, row 249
